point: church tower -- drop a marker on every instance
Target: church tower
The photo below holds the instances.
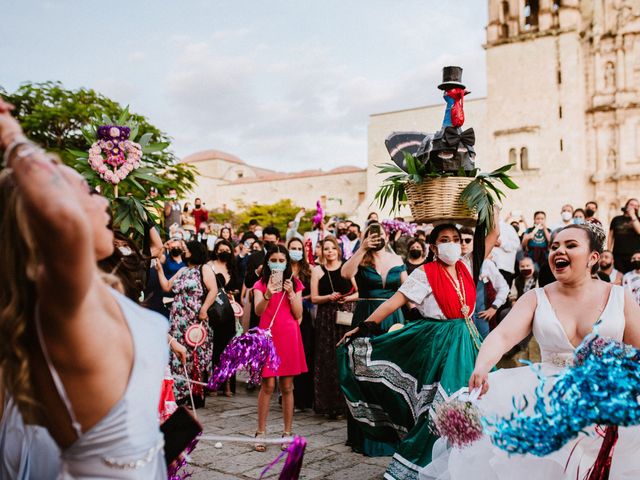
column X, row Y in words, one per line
column 535, row 100
column 563, row 99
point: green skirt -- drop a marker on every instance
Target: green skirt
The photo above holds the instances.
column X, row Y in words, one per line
column 392, row 382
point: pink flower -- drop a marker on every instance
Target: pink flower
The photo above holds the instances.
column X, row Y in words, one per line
column 114, row 132
column 101, row 169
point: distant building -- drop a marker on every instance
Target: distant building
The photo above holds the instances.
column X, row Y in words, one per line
column 563, row 104
column 225, row 182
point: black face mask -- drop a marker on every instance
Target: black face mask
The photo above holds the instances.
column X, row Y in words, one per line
column 268, row 245
column 589, row 213
column 175, row 252
column 605, row 266
column 380, row 245
column 224, row 256
column 636, row 264
column 352, row 236
column 525, row 272
column 342, row 231
column 198, row 205
column 415, row 254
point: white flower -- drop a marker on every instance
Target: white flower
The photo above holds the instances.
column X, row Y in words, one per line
column 114, row 132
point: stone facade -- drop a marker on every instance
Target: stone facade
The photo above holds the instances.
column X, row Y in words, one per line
column 226, row 182
column 563, row 104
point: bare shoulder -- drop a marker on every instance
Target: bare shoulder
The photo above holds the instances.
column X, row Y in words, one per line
column 317, row 271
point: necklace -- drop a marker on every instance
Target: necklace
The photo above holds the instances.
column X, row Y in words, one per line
column 464, row 308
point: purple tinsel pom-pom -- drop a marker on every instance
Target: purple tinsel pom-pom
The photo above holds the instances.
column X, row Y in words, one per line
column 293, row 463
column 252, row 351
column 391, row 226
column 174, row 470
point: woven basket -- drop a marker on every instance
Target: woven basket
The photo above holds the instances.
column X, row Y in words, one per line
column 438, row 200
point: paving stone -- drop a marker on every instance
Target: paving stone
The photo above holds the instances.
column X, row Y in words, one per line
column 326, row 456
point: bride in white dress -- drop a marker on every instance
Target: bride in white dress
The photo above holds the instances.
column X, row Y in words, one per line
column 560, row 316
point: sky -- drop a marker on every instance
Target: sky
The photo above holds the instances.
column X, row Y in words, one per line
column 283, row 84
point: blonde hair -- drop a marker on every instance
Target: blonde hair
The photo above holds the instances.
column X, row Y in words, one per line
column 18, row 295
column 331, row 239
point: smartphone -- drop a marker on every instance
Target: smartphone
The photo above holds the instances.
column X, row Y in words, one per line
column 179, row 430
column 277, row 279
column 374, row 228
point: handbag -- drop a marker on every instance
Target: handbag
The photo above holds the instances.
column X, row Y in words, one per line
column 221, row 312
column 342, row 318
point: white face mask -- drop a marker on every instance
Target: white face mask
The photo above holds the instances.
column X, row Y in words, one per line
column 566, row 216
column 449, row 252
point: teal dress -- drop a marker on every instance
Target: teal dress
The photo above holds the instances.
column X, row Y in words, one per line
column 373, row 292
column 392, row 382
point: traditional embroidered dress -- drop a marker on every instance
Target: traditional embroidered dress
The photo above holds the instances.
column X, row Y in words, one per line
column 391, row 382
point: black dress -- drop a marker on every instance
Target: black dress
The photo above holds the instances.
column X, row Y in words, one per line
column 329, row 399
column 303, row 383
column 224, row 333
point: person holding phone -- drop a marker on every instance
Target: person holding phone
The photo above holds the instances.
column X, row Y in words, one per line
column 331, row 293
column 536, row 239
column 624, row 235
column 278, row 302
column 379, row 273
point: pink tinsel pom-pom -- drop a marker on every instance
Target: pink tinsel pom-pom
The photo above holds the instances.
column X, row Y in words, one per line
column 458, row 421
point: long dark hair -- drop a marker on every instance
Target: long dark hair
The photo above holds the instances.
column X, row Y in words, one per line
column 231, row 264
column 130, row 269
column 198, row 253
column 266, row 271
column 304, row 269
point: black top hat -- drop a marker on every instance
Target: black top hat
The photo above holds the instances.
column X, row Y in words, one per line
column 451, row 78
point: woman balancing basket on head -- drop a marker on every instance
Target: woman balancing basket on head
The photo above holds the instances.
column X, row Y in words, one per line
column 392, row 381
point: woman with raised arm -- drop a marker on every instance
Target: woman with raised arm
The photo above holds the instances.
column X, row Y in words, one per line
column 560, row 316
column 378, row 273
column 77, row 357
column 391, row 381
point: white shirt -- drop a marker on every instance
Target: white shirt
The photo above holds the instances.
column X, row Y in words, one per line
column 418, row 290
column 631, row 283
column 504, row 256
column 490, row 273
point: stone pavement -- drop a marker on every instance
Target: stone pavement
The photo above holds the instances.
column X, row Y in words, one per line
column 326, row 455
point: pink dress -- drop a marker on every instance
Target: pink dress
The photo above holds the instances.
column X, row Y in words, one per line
column 286, row 334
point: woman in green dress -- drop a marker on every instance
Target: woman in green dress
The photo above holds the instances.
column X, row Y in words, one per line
column 378, row 273
column 391, row 382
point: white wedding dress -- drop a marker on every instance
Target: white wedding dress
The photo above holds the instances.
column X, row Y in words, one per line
column 484, row 461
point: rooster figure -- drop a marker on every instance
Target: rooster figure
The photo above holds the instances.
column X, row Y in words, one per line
column 449, row 149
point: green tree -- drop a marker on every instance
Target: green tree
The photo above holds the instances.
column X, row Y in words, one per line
column 63, row 122
column 278, row 214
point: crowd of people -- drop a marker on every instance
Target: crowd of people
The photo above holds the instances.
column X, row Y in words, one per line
column 89, row 336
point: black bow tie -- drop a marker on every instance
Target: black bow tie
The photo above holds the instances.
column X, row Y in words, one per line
column 453, row 137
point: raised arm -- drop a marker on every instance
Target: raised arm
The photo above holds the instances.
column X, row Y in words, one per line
column 513, row 329
column 350, row 268
column 56, row 203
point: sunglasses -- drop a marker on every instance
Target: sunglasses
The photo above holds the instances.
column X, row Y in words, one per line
column 467, row 240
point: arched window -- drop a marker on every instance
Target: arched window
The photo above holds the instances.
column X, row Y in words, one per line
column 524, row 159
column 513, row 158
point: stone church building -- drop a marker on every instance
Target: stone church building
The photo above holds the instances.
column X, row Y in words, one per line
column 562, row 104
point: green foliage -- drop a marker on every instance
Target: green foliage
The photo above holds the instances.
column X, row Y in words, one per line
column 480, row 195
column 63, row 122
column 278, row 214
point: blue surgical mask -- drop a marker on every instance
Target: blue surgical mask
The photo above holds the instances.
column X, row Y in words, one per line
column 277, row 266
column 296, row 255
column 578, row 221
